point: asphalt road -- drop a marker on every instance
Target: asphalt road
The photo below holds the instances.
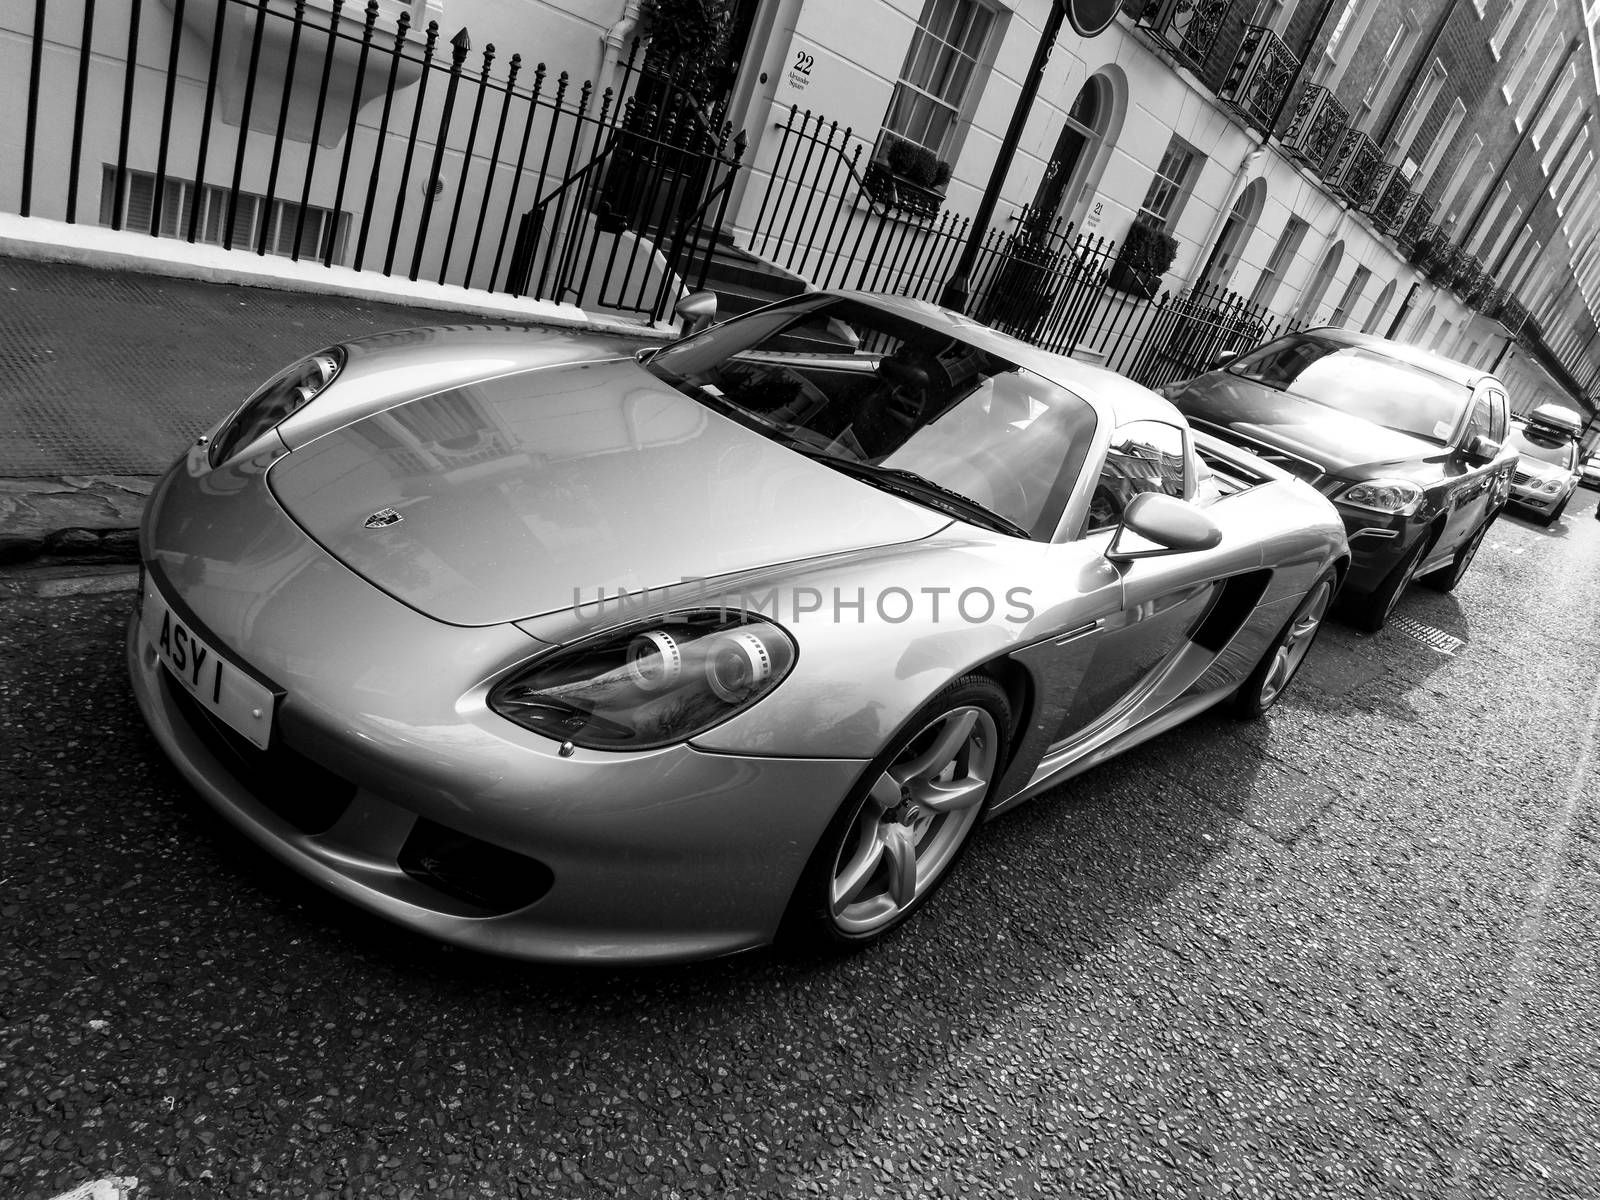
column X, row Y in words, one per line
column 1347, row 951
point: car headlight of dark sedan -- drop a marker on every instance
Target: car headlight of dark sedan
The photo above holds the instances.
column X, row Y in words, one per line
column 1398, row 497
column 275, row 401
column 648, row 685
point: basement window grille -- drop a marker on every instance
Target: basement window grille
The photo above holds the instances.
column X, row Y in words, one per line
column 322, row 226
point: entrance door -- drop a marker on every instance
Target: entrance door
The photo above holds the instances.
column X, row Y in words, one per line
column 1068, row 167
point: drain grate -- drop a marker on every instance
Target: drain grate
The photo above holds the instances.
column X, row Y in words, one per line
column 1435, row 639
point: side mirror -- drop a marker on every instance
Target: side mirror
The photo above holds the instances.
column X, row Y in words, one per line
column 1175, row 526
column 696, row 310
column 1480, row 448
column 1221, row 359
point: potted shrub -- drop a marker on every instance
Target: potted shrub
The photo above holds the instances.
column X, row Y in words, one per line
column 908, row 175
column 1143, row 258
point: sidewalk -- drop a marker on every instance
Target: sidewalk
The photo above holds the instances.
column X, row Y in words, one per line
column 106, row 375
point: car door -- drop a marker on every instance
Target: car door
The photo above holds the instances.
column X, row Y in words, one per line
column 1163, row 598
column 1474, row 486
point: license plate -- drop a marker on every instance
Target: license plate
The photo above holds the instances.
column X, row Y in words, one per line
column 226, row 691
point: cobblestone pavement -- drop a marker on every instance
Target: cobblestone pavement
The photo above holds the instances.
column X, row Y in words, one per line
column 1346, row 951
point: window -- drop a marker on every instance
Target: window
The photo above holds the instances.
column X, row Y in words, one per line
column 1441, row 142
column 1417, row 112
column 940, row 66
column 1459, row 176
column 1170, row 188
column 318, row 232
column 1490, row 220
column 1352, row 295
column 1389, row 71
column 1288, row 245
column 1497, row 39
column 1557, row 106
column 1268, row 13
column 1524, row 56
column 1144, row 456
column 1347, row 34
column 1502, row 234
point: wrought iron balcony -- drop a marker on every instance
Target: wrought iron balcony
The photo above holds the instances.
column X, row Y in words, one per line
column 1318, row 124
column 1421, row 219
column 1260, row 77
column 1189, row 27
column 1490, row 302
column 1390, row 199
column 1354, row 167
column 1513, row 316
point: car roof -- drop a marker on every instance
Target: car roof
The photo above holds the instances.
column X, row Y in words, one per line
column 1126, row 400
column 1415, row 356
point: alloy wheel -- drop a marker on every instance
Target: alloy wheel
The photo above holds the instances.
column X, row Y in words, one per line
column 1296, row 642
column 914, row 820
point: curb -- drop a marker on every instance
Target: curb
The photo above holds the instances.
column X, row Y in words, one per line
column 81, row 519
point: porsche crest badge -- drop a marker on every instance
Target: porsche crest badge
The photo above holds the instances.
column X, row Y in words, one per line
column 382, row 519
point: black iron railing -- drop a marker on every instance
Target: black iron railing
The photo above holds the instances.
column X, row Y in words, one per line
column 1354, row 167
column 1419, row 219
column 1259, row 80
column 1316, row 127
column 1188, row 27
column 324, row 132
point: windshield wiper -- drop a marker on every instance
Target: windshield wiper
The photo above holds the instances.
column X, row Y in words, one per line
column 916, row 487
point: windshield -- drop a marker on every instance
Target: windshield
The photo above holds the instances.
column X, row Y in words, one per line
column 1358, row 381
column 1546, row 446
column 895, row 402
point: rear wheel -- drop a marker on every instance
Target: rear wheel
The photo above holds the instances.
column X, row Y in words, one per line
column 1371, row 613
column 1446, row 578
column 1283, row 658
column 908, row 820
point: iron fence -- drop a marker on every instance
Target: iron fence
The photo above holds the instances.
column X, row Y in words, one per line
column 345, row 138
column 1036, row 278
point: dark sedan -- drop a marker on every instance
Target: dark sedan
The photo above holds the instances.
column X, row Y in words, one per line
column 1410, row 446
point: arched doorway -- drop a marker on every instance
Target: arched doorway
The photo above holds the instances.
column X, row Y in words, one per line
column 1236, row 231
column 1379, row 307
column 1068, row 173
column 1311, row 299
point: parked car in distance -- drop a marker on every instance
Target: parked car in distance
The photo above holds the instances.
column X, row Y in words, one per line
column 1589, row 473
column 887, row 573
column 1548, row 473
column 1409, row 446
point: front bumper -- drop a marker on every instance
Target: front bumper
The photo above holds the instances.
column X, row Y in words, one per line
column 658, row 856
column 1377, row 544
column 1542, row 502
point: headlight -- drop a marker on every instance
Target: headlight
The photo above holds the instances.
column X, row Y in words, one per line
column 1399, row 496
column 1550, row 486
column 279, row 398
column 648, row 685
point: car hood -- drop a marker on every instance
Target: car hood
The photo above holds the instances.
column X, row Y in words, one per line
column 1325, row 440
column 531, row 493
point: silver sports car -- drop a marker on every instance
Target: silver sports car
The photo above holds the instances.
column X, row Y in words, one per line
column 553, row 647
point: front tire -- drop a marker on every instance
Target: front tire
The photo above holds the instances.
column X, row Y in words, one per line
column 1371, row 613
column 1281, row 662
column 1446, row 578
column 1555, row 513
column 907, row 821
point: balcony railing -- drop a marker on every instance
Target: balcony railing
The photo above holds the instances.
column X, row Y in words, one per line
column 1260, row 77
column 1513, row 316
column 1389, row 193
column 1189, row 27
column 1421, row 219
column 1354, row 167
column 1318, row 124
